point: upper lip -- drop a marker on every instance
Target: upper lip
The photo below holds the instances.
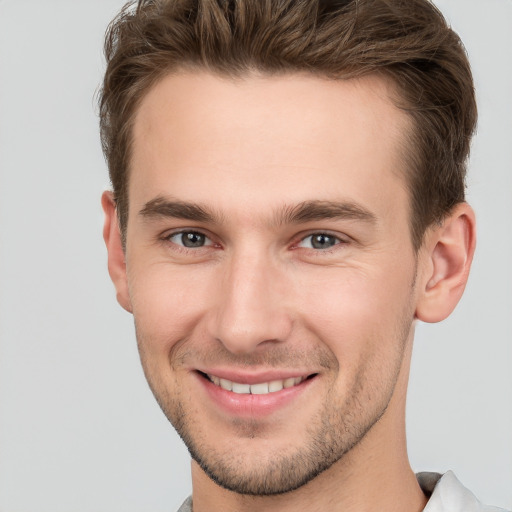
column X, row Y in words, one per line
column 244, row 377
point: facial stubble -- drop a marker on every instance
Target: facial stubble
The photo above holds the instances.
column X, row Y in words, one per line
column 336, row 430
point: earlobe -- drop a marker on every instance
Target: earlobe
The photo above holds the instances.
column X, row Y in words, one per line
column 116, row 256
column 446, row 264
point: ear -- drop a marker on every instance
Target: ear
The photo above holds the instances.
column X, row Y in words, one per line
column 449, row 250
column 116, row 257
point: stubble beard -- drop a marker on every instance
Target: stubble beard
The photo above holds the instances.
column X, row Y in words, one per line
column 278, row 473
column 336, row 430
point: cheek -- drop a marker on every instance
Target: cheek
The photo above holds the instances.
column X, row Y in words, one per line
column 167, row 302
column 357, row 313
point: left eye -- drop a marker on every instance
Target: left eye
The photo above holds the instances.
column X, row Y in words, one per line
column 190, row 239
column 319, row 241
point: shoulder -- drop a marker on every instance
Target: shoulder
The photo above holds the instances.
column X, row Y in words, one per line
column 447, row 494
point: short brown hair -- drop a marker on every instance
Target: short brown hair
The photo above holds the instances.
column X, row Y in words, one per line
column 407, row 41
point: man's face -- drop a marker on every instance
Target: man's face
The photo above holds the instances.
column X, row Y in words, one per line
column 270, row 269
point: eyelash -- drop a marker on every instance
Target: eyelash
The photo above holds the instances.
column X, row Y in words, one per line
column 296, row 245
column 337, row 241
column 168, row 238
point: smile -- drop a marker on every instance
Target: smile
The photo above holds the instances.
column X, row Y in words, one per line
column 240, row 394
column 261, row 388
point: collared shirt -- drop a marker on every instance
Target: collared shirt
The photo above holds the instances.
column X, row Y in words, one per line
column 446, row 493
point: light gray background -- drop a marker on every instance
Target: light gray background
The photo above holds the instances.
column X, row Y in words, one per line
column 79, row 429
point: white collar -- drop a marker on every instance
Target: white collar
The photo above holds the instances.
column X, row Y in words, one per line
column 449, row 495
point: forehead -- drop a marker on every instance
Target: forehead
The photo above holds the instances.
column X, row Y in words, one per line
column 283, row 138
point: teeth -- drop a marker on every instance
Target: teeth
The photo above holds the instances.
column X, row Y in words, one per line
column 289, row 383
column 259, row 389
column 275, row 385
column 262, row 388
column 241, row 389
column 226, row 384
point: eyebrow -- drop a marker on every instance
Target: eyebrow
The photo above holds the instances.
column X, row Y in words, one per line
column 306, row 211
column 161, row 207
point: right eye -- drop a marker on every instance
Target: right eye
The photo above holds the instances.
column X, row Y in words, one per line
column 189, row 239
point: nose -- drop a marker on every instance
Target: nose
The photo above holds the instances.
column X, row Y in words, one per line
column 251, row 309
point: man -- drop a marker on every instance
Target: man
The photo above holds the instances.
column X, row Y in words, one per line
column 288, row 199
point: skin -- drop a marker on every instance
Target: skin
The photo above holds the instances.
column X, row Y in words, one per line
column 267, row 160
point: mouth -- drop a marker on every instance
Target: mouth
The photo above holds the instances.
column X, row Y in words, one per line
column 259, row 388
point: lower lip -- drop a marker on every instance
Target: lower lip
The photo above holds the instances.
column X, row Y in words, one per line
column 247, row 405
